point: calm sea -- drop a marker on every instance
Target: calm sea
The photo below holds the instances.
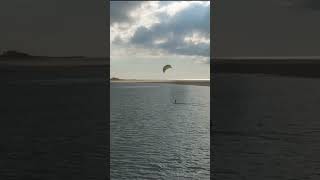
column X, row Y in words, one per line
column 153, row 138
column 266, row 127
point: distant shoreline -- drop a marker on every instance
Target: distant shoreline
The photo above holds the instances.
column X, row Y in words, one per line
column 12, row 54
column 21, row 67
column 308, row 68
column 181, row 82
column 53, row 62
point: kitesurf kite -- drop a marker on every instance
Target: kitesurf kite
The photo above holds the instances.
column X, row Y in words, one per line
column 166, row 67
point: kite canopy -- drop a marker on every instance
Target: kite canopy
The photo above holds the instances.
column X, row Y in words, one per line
column 166, row 67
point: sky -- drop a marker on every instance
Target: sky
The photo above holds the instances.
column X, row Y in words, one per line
column 146, row 35
column 242, row 28
column 54, row 27
column 266, row 28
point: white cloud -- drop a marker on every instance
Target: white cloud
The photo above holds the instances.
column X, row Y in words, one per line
column 202, row 60
column 175, row 7
column 160, row 41
column 144, row 15
column 196, row 38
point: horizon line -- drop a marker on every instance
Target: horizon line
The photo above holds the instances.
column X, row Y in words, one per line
column 267, row 57
column 163, row 79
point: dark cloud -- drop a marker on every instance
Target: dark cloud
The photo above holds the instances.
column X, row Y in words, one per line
column 194, row 19
column 54, row 27
column 143, row 36
column 119, row 11
column 264, row 28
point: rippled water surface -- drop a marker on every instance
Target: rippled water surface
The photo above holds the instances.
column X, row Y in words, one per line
column 53, row 131
column 266, row 127
column 152, row 138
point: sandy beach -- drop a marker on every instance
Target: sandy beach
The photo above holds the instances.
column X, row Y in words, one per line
column 182, row 82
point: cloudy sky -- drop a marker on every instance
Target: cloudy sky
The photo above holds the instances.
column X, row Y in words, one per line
column 264, row 28
column 177, row 30
column 146, row 35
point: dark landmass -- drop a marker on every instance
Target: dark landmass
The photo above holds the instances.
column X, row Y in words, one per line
column 15, row 54
column 21, row 55
column 285, row 67
column 115, row 79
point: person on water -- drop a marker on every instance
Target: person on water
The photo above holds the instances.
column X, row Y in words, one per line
column 175, row 101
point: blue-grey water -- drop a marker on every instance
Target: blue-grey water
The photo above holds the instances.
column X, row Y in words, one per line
column 152, row 138
column 266, row 127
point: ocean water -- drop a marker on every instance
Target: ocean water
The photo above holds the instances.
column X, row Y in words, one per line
column 53, row 125
column 152, row 138
column 266, row 127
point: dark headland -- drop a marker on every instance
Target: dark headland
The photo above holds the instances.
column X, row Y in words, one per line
column 284, row 66
column 22, row 55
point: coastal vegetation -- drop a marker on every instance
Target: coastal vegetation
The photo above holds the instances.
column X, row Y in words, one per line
column 12, row 53
column 115, row 79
